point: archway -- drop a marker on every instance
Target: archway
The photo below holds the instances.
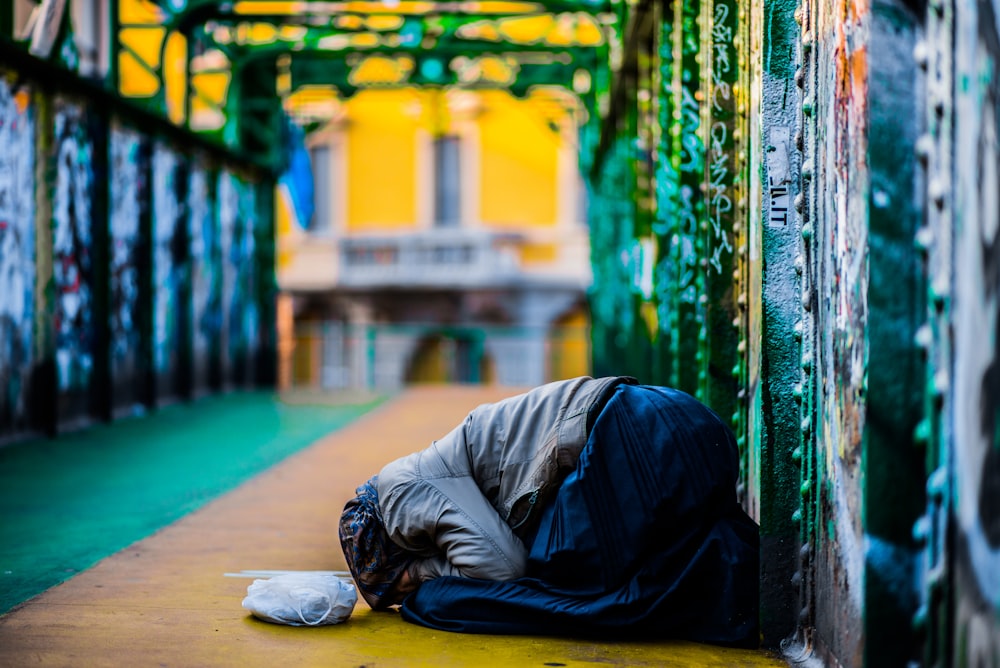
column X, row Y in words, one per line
column 568, row 344
column 450, row 357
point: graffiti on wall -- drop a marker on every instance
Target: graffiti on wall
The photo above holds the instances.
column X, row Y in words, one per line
column 678, row 197
column 839, row 313
column 250, row 321
column 228, row 207
column 236, row 225
column 976, row 322
column 169, row 251
column 128, row 191
column 615, row 229
column 721, row 153
column 17, row 251
column 205, row 279
column 248, row 267
column 72, row 248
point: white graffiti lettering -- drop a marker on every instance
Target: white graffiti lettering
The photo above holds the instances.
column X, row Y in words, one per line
column 720, row 203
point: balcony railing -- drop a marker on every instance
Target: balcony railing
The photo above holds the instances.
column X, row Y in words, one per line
column 437, row 258
column 465, row 258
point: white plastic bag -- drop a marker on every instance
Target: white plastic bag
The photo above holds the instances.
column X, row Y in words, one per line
column 301, row 599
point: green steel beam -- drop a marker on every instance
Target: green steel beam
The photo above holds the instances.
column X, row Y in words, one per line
column 411, row 36
column 638, row 28
column 894, row 487
column 438, row 70
column 197, row 12
column 778, row 436
column 718, row 372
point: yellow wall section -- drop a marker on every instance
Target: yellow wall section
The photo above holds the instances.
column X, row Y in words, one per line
column 519, row 160
column 381, row 160
column 539, row 253
column 284, row 212
column 569, row 347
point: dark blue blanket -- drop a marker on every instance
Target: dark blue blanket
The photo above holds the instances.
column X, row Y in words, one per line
column 644, row 539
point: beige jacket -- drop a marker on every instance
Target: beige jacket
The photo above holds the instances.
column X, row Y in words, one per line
column 462, row 502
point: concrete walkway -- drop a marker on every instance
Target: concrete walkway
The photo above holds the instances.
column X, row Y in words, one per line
column 164, row 601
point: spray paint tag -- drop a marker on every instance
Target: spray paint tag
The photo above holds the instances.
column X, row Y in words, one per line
column 779, row 177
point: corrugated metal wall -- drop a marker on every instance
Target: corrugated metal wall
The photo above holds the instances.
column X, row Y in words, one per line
column 796, row 219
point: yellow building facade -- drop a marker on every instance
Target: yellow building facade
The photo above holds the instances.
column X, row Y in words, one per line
column 449, row 241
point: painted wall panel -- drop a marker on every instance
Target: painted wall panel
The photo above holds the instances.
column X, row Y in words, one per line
column 129, row 195
column 516, row 166
column 97, row 298
column 17, row 253
column 170, row 270
column 237, row 219
column 72, row 235
column 382, row 152
column 228, row 247
column 250, row 321
column 205, row 276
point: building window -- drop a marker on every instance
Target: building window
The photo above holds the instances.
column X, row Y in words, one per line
column 90, row 33
column 321, row 157
column 447, row 182
column 582, row 203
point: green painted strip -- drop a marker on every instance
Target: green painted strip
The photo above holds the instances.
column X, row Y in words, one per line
column 68, row 502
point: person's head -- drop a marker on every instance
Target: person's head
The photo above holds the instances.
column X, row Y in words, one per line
column 376, row 562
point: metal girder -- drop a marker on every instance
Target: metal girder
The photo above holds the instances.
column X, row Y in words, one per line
column 516, row 72
column 638, row 28
column 466, row 52
column 245, row 56
column 563, row 32
column 186, row 14
column 464, row 35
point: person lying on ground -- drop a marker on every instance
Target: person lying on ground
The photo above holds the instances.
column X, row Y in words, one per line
column 585, row 506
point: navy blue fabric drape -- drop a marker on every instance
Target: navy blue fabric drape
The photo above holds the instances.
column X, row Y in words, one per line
column 644, row 539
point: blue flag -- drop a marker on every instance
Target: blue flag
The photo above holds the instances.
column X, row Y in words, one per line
column 298, row 175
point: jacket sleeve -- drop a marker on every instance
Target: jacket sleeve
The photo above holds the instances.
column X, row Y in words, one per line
column 447, row 520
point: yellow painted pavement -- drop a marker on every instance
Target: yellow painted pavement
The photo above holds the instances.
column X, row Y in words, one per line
column 164, row 601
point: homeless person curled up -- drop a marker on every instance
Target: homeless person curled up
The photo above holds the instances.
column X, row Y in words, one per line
column 586, row 506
